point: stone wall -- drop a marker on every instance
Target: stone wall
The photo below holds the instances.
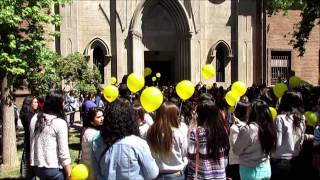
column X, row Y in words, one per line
column 116, row 24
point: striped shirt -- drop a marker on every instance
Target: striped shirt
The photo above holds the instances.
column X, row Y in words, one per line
column 207, row 167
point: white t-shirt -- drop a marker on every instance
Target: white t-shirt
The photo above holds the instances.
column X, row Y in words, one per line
column 178, row 157
column 143, row 130
column 148, row 119
column 49, row 149
column 86, row 143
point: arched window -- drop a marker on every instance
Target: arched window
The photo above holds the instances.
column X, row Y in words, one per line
column 98, row 54
column 220, row 65
column 98, row 59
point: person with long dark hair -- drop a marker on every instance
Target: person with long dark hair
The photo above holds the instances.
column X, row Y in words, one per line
column 118, row 152
column 208, row 143
column 49, row 140
column 239, row 118
column 140, row 117
column 95, row 121
column 28, row 110
column 255, row 142
column 290, row 126
column 167, row 138
column 88, row 103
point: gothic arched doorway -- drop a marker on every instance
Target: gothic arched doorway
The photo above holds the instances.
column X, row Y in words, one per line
column 160, row 38
column 98, row 59
column 220, row 55
column 98, row 54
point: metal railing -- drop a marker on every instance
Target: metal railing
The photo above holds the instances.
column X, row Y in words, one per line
column 280, row 66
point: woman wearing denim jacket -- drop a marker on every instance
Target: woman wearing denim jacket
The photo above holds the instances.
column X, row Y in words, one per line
column 118, row 152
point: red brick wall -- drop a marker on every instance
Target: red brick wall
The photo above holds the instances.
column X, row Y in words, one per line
column 280, row 29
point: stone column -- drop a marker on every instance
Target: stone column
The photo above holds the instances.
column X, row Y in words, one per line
column 107, row 69
column 137, row 53
column 245, row 52
column 183, row 58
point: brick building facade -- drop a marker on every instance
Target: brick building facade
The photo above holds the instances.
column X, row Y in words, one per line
column 280, row 53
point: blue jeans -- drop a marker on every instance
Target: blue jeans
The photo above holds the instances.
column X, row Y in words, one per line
column 261, row 172
column 49, row 173
column 172, row 176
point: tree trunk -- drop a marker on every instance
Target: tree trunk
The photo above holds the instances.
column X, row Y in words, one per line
column 9, row 143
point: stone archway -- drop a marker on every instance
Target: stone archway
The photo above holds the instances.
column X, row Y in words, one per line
column 98, row 53
column 220, row 55
column 178, row 14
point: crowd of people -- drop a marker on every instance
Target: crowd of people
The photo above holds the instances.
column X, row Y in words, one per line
column 200, row 138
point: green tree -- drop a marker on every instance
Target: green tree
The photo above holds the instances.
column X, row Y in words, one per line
column 23, row 48
column 46, row 77
column 310, row 13
column 76, row 73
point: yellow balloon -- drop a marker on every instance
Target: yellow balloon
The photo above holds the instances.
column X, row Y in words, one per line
column 279, row 89
column 113, row 80
column 239, row 88
column 311, row 118
column 294, row 81
column 185, row 89
column 151, row 99
column 110, row 93
column 135, row 82
column 231, row 109
column 273, row 113
column 80, row 172
column 208, row 71
column 147, row 71
column 158, row 75
column 154, row 79
column 232, row 98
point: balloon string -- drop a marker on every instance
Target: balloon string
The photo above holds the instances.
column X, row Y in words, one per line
column 278, row 102
column 180, row 108
column 235, row 106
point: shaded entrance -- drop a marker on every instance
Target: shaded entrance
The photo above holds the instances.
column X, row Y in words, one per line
column 162, row 62
column 97, row 53
column 161, row 27
column 98, row 60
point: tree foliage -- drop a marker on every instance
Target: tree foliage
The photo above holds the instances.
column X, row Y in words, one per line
column 22, row 32
column 24, row 54
column 310, row 13
column 45, row 77
column 25, row 59
column 23, row 50
column 76, row 73
column 72, row 69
